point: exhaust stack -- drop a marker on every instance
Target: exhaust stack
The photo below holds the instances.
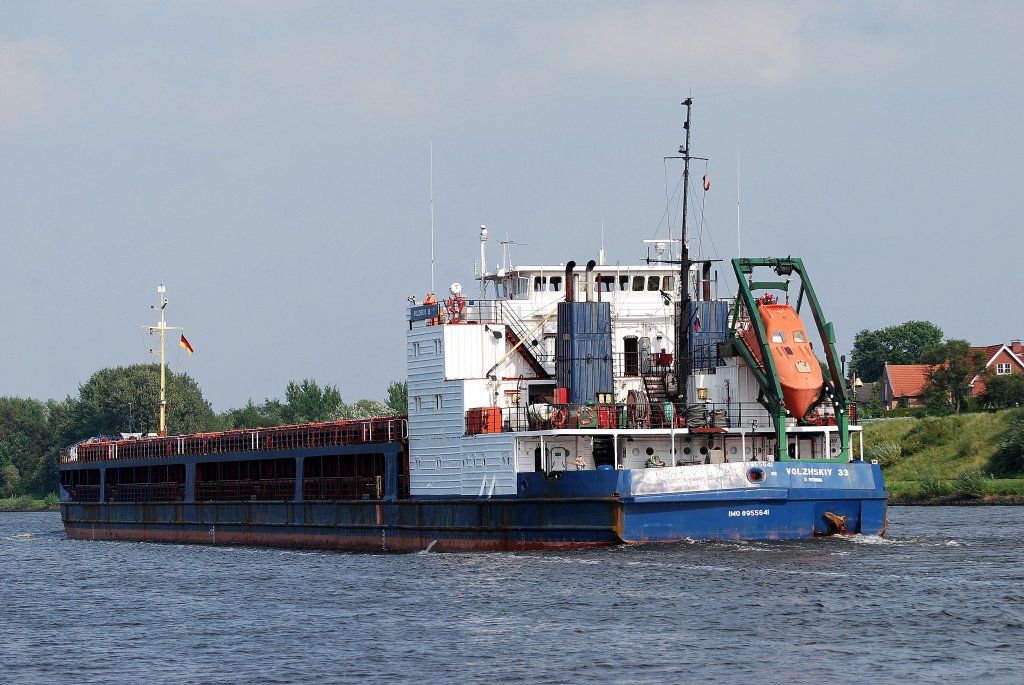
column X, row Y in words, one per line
column 570, row 290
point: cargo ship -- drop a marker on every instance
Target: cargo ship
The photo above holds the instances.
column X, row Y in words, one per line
column 559, row 406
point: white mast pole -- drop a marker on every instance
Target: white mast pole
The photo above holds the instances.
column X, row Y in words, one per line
column 483, row 261
column 162, row 328
column 162, row 290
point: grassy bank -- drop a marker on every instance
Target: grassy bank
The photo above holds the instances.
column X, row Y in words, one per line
column 26, row 503
column 944, row 460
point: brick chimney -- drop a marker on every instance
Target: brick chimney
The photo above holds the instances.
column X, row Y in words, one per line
column 1016, row 347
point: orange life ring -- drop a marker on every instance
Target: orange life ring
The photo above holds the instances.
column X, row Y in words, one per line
column 559, row 417
column 586, row 415
column 456, row 305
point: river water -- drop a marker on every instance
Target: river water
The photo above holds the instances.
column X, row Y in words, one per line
column 939, row 599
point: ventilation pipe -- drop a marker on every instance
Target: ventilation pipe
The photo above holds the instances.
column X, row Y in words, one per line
column 589, row 283
column 570, row 290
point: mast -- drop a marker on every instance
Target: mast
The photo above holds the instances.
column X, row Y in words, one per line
column 682, row 342
column 162, row 328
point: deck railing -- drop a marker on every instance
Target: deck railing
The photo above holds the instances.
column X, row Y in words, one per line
column 355, row 432
column 694, row 416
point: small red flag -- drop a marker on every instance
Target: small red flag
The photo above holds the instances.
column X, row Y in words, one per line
column 707, row 183
column 185, row 345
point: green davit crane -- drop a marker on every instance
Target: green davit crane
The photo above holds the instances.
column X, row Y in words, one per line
column 766, row 374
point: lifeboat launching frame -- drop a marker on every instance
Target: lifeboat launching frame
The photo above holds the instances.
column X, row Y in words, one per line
column 767, row 375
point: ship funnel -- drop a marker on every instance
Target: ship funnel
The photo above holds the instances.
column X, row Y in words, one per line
column 570, row 290
column 589, row 283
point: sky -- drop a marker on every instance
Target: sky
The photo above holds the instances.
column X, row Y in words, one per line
column 271, row 163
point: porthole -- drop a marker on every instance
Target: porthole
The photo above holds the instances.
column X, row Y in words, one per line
column 650, row 451
column 703, row 450
column 732, row 450
column 686, row 450
column 636, row 451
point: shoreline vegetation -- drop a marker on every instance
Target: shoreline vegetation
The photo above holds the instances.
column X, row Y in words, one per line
column 26, row 503
column 972, row 459
column 966, row 459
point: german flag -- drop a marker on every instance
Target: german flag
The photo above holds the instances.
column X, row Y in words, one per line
column 184, row 344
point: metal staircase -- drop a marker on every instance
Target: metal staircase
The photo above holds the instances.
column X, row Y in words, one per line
column 518, row 334
column 654, row 385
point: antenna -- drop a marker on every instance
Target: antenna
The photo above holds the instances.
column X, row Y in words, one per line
column 739, row 251
column 506, row 248
column 431, row 216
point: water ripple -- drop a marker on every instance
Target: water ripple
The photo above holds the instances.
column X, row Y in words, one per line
column 934, row 601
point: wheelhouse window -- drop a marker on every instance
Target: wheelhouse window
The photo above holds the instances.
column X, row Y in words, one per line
column 607, row 283
column 1002, row 369
column 799, row 336
column 623, row 283
column 654, row 283
column 540, row 284
column 778, row 337
column 520, row 288
column 555, row 284
column 638, row 284
column 668, row 283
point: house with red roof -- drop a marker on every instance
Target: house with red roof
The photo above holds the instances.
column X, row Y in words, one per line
column 1000, row 360
column 904, row 384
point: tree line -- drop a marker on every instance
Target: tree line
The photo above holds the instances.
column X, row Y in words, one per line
column 125, row 399
column 953, row 366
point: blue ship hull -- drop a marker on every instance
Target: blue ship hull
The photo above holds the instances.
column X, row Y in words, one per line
column 574, row 509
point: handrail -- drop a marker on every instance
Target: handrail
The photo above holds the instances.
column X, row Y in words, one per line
column 385, row 429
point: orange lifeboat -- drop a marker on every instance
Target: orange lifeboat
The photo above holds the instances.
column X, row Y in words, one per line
column 798, row 368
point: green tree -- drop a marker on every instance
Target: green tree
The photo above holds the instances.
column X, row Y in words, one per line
column 365, row 409
column 1002, row 392
column 10, row 480
column 308, row 402
column 906, row 343
column 111, row 396
column 955, row 364
column 252, row 415
column 398, row 398
column 1008, row 461
column 26, row 439
column 873, row 408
